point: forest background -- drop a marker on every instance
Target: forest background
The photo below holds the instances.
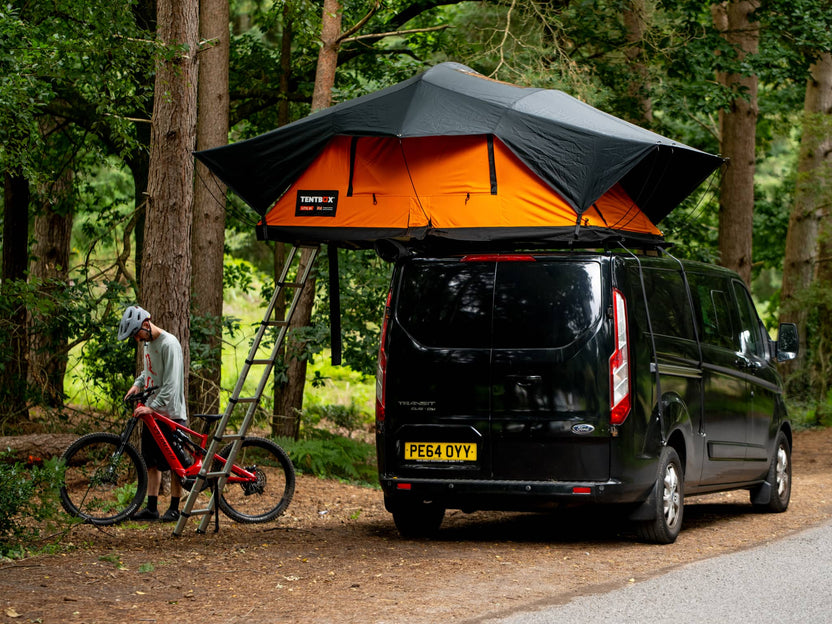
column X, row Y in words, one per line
column 102, row 103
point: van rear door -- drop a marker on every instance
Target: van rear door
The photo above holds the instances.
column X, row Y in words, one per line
column 550, row 389
column 437, row 402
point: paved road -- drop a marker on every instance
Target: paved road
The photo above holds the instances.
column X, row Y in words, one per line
column 784, row 582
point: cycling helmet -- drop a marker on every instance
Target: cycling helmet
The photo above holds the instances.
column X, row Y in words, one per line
column 131, row 322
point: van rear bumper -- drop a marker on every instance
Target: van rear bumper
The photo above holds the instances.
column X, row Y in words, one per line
column 473, row 494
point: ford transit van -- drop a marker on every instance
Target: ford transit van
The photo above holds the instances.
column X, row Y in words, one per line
column 524, row 381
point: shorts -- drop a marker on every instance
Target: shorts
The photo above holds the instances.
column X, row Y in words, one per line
column 151, row 453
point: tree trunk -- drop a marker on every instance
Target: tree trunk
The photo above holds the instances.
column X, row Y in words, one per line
column 48, row 353
column 166, row 261
column 281, row 425
column 640, row 105
column 737, row 138
column 209, row 205
column 139, row 163
column 814, row 181
column 291, row 398
column 13, row 406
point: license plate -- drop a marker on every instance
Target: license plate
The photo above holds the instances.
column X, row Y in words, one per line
column 440, row 451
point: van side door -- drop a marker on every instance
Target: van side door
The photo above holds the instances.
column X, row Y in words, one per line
column 762, row 379
column 725, row 386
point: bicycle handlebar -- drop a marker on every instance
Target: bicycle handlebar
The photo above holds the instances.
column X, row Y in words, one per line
column 141, row 395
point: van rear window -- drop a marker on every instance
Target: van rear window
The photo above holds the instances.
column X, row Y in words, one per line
column 447, row 303
column 545, row 304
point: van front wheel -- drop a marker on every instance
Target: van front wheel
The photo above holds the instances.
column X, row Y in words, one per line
column 779, row 478
column 417, row 519
column 669, row 497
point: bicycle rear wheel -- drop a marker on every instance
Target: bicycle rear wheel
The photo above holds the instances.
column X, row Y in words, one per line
column 100, row 485
column 270, row 494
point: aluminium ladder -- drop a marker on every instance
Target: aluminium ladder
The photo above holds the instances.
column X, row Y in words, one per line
column 220, row 436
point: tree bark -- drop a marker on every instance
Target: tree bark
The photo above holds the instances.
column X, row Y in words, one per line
column 281, row 424
column 166, row 261
column 640, row 105
column 208, row 236
column 52, row 234
column 13, row 407
column 814, row 181
column 737, row 138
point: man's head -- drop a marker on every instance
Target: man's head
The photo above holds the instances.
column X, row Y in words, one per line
column 133, row 322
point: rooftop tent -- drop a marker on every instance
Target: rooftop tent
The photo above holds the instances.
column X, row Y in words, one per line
column 453, row 155
column 464, row 188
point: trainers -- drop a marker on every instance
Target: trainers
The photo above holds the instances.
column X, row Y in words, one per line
column 171, row 515
column 146, row 514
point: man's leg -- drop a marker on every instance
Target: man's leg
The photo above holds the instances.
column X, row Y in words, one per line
column 172, row 514
column 154, row 482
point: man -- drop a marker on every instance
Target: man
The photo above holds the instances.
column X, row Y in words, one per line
column 163, row 367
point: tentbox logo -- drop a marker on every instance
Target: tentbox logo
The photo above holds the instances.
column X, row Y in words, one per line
column 316, row 203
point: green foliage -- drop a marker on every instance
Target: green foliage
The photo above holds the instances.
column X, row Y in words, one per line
column 349, row 417
column 29, row 502
column 329, row 456
column 108, row 363
column 86, row 61
column 364, row 282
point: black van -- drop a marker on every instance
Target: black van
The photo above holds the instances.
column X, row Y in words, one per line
column 522, row 381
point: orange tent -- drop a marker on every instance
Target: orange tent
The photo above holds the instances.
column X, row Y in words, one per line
column 461, row 187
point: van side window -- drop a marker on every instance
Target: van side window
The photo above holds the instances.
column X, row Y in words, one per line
column 545, row 305
column 749, row 330
column 447, row 304
column 712, row 303
column 669, row 306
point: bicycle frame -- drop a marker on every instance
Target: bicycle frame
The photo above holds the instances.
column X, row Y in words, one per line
column 151, row 421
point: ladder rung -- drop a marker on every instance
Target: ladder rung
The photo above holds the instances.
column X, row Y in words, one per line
column 214, row 475
column 276, row 323
column 201, row 512
column 228, row 436
column 246, row 400
column 258, row 362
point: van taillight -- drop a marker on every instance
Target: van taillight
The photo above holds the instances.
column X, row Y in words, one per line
column 381, row 369
column 619, row 363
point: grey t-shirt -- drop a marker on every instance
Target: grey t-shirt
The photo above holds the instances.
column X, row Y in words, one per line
column 164, row 367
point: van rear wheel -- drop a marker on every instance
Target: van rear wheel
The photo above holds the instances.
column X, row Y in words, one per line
column 417, row 519
column 669, row 497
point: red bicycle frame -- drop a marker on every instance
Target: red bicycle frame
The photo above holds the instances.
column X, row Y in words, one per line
column 237, row 474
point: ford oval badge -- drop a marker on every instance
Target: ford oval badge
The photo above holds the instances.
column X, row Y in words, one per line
column 582, row 428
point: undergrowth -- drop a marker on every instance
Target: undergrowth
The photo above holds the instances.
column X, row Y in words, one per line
column 326, row 455
column 29, row 504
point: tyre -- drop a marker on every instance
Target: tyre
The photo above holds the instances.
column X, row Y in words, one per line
column 99, row 486
column 669, row 497
column 417, row 519
column 779, row 478
column 267, row 497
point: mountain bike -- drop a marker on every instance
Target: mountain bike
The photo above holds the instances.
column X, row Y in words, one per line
column 106, row 478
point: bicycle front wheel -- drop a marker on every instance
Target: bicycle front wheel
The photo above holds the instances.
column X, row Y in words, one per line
column 270, row 493
column 101, row 485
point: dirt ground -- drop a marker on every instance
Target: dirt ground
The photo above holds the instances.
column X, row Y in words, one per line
column 336, row 557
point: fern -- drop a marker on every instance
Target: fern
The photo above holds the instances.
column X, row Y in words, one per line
column 329, row 456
